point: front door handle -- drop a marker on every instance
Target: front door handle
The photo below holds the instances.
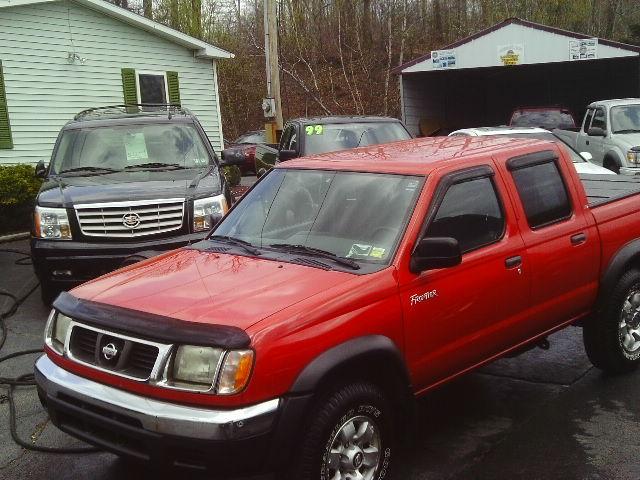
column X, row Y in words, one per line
column 513, row 262
column 578, row 238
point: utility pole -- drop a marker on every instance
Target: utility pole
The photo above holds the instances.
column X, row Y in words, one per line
column 272, row 105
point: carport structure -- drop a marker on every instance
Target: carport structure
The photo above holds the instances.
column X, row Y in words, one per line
column 481, row 79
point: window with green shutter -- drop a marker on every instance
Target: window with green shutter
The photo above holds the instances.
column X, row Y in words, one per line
column 5, row 128
column 147, row 87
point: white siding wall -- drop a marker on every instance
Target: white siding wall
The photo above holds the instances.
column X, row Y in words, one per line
column 539, row 47
column 44, row 91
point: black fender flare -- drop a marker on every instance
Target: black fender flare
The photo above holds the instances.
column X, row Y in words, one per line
column 369, row 347
column 614, row 156
column 615, row 269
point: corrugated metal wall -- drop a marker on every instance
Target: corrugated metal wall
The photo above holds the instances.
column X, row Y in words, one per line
column 44, row 91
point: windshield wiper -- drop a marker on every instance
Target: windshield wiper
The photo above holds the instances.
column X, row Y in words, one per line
column 316, row 252
column 628, row 130
column 89, row 169
column 237, row 241
column 155, row 165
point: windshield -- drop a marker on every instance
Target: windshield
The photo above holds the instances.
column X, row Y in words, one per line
column 342, row 136
column 252, row 137
column 575, row 156
column 126, row 146
column 542, row 118
column 349, row 214
column 625, row 119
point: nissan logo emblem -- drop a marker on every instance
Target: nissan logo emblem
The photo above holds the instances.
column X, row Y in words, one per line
column 131, row 220
column 109, row 351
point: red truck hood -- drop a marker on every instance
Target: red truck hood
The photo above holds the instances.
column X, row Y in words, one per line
column 210, row 288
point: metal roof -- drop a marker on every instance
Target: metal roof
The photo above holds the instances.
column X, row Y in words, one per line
column 202, row 49
column 612, row 48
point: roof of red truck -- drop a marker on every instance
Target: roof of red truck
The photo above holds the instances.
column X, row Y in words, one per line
column 418, row 156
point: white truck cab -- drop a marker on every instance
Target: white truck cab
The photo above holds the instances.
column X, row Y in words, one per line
column 610, row 131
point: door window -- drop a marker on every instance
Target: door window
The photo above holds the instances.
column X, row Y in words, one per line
column 543, row 193
column 471, row 213
column 599, row 119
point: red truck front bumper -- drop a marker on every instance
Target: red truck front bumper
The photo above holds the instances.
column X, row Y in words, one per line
column 227, row 442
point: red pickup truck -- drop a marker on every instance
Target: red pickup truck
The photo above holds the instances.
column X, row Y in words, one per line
column 294, row 338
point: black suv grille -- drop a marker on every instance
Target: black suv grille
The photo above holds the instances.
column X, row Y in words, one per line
column 111, row 352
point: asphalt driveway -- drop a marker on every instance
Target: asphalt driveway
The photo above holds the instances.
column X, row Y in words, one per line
column 542, row 415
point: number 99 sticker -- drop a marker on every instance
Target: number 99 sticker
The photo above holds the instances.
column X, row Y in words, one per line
column 314, row 129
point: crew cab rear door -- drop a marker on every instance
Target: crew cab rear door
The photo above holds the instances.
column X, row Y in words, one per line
column 455, row 317
column 560, row 238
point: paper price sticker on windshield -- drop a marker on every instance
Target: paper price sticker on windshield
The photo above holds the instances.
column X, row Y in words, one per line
column 314, row 129
column 136, row 147
column 359, row 250
column 377, row 252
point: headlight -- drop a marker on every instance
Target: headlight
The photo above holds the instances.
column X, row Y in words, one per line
column 56, row 331
column 206, row 209
column 196, row 367
column 52, row 223
column 235, row 372
column 633, row 156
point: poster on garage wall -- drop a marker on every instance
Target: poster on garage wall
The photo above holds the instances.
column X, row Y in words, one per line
column 443, row 59
column 583, row 49
column 511, row 54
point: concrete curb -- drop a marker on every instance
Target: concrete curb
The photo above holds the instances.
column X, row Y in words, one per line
column 13, row 237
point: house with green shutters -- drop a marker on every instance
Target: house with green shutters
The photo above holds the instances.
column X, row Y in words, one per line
column 58, row 57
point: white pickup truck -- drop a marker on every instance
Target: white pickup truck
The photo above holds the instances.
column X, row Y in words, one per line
column 610, row 132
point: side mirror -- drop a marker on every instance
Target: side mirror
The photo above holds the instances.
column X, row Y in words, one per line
column 587, row 156
column 596, row 132
column 435, row 252
column 284, row 155
column 41, row 170
column 232, row 156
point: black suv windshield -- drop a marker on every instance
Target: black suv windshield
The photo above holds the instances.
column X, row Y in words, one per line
column 120, row 147
column 343, row 136
column 360, row 216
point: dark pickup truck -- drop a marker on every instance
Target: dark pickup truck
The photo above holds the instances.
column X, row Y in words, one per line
column 338, row 289
column 124, row 182
column 310, row 136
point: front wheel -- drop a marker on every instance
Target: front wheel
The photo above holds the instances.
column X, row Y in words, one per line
column 350, row 436
column 612, row 337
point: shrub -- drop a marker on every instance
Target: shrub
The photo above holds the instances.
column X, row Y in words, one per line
column 232, row 174
column 18, row 184
column 18, row 190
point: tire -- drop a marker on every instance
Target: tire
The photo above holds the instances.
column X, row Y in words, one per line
column 351, row 429
column 609, row 335
column 48, row 293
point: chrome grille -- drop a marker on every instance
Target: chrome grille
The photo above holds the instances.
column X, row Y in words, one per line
column 130, row 219
column 134, row 358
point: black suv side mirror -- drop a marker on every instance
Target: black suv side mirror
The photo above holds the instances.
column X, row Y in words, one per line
column 41, row 170
column 435, row 252
column 231, row 156
column 284, row 155
column 596, row 132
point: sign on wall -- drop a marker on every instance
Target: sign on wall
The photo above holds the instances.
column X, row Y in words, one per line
column 511, row 54
column 583, row 49
column 443, row 59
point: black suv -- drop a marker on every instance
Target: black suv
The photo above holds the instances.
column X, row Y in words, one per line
column 124, row 183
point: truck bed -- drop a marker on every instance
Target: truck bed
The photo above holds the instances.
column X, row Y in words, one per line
column 602, row 189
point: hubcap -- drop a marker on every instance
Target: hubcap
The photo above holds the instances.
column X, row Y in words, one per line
column 355, row 450
column 629, row 327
